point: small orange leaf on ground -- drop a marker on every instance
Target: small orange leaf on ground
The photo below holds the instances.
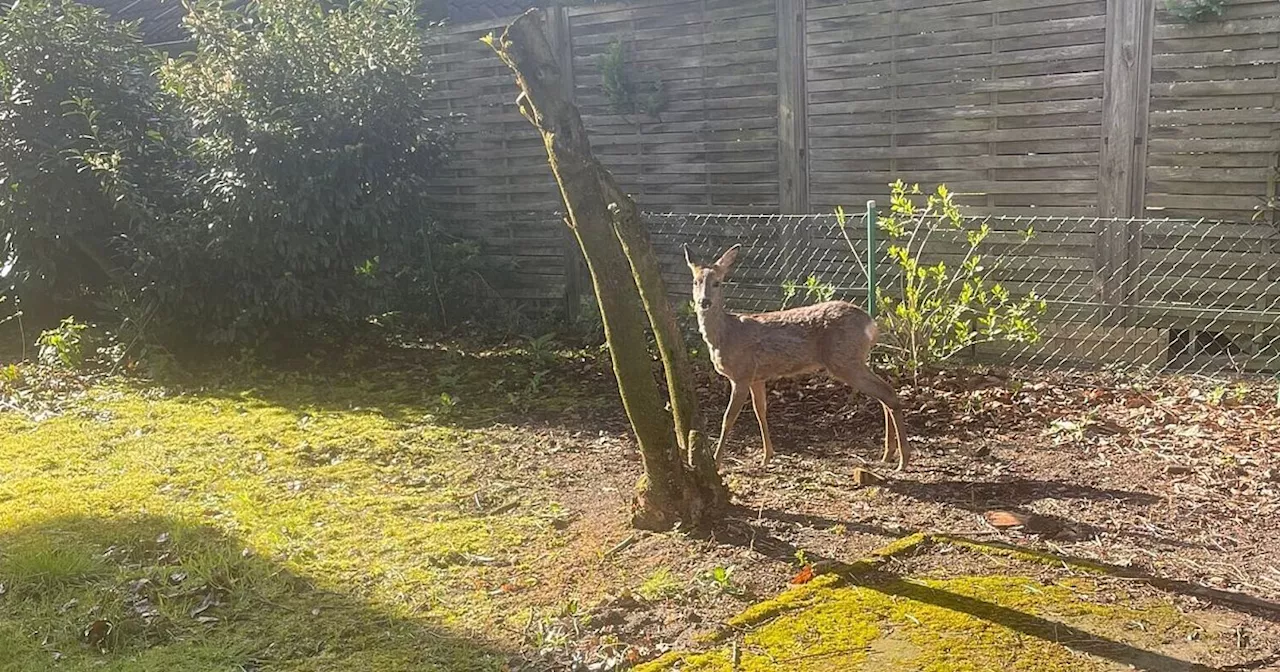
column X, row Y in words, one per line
column 805, row 575
column 1004, row 519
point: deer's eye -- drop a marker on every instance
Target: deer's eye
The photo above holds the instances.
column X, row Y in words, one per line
column 715, row 283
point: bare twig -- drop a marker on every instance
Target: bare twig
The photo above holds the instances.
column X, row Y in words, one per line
column 621, row 546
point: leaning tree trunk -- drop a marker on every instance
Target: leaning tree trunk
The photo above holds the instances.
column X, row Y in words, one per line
column 680, row 482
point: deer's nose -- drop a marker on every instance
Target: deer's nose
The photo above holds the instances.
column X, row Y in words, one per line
column 705, row 303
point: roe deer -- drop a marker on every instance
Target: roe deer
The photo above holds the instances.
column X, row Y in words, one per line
column 750, row 350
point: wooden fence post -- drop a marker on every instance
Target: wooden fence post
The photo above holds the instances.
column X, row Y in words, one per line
column 560, row 37
column 793, row 136
column 1122, row 171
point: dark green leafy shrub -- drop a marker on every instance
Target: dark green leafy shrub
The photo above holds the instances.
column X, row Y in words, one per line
column 87, row 148
column 269, row 183
column 65, row 345
column 314, row 142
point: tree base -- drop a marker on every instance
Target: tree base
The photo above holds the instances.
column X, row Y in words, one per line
column 691, row 504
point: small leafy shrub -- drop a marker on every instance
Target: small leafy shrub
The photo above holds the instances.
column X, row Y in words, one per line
column 543, row 350
column 720, row 580
column 1195, row 11
column 587, row 327
column 453, row 284
column 63, row 346
column 448, row 404
column 627, row 95
column 939, row 310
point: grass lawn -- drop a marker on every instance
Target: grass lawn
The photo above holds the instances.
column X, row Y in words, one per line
column 295, row 522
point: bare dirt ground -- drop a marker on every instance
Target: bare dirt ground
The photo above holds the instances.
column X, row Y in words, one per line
column 1171, row 480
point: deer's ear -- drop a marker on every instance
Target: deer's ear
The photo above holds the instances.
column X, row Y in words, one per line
column 688, row 258
column 726, row 260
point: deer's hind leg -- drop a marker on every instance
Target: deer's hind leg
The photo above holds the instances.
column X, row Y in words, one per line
column 891, row 436
column 860, row 377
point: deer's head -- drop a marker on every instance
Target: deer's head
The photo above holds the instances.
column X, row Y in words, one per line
column 708, row 281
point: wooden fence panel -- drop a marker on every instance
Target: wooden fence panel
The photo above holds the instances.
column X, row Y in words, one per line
column 1214, row 145
column 498, row 188
column 713, row 145
column 1001, row 99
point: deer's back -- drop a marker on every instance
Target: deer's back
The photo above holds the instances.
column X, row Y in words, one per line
column 795, row 341
column 819, row 316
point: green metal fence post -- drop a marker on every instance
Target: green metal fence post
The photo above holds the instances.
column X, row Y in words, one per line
column 871, row 258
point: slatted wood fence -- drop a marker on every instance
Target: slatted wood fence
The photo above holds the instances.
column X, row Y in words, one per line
column 1091, row 109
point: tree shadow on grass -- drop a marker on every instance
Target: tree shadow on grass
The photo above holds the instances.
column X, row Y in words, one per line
column 1241, row 602
column 980, row 494
column 153, row 594
column 1033, row 626
column 872, row 576
column 810, row 520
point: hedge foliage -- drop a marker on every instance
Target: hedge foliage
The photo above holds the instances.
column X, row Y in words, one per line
column 271, row 178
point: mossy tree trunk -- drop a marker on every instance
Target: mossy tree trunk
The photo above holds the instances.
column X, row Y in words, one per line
column 681, row 484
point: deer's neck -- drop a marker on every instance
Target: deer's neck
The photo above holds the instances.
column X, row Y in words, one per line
column 713, row 322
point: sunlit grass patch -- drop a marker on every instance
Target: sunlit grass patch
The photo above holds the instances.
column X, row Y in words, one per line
column 297, row 522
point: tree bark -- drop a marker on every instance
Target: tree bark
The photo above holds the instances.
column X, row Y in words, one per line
column 628, row 286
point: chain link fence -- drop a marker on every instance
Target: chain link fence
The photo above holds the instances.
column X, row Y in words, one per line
column 1166, row 295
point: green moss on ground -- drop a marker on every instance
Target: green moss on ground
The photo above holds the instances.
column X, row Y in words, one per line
column 299, row 522
column 877, row 621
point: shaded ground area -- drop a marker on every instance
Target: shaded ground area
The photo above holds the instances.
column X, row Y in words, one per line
column 142, row 593
column 447, row 507
column 1180, row 477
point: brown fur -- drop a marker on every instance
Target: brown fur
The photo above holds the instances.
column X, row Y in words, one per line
column 750, row 350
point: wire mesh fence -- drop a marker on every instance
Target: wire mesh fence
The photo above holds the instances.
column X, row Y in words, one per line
column 1167, row 295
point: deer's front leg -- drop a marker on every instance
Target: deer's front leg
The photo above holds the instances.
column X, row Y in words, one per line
column 737, row 399
column 761, row 405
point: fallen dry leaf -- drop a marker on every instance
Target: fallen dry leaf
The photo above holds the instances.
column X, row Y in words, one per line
column 805, row 575
column 1006, row 519
column 97, row 632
